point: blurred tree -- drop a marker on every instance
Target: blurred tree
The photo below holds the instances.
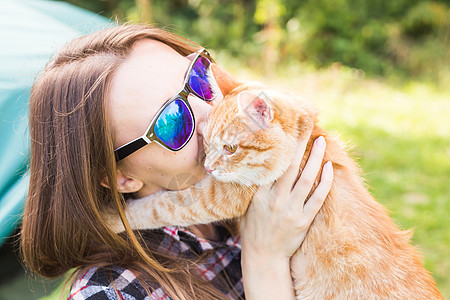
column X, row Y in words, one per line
column 378, row 36
column 268, row 13
column 145, row 11
column 424, row 18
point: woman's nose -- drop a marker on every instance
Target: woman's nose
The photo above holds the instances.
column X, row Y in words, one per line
column 201, row 111
column 201, row 126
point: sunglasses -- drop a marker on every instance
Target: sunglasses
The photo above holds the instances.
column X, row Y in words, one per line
column 174, row 123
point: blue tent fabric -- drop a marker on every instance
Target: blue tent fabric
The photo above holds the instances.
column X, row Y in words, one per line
column 31, row 31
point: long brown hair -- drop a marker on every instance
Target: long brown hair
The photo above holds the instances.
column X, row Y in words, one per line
column 71, row 151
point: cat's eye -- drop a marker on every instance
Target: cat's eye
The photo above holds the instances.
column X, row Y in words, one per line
column 230, row 149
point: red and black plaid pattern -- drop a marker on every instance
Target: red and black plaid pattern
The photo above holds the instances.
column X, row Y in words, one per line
column 120, row 283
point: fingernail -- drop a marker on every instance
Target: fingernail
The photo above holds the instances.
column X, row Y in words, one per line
column 321, row 141
column 328, row 167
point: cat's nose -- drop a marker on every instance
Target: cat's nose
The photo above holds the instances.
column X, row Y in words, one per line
column 208, row 170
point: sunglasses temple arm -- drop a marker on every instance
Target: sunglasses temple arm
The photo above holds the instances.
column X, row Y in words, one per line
column 129, row 148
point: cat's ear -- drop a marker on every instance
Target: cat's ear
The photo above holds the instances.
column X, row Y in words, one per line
column 255, row 109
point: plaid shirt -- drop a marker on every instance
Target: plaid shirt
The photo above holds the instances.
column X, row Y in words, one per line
column 96, row 283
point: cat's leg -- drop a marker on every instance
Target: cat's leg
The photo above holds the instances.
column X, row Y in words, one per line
column 205, row 202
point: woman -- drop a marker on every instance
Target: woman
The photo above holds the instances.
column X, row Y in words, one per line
column 98, row 94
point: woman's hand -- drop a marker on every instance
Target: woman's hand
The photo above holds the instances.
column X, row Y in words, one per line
column 276, row 224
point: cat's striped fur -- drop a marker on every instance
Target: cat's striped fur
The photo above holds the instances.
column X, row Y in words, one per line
column 353, row 249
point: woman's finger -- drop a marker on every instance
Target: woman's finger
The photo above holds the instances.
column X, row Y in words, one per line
column 316, row 200
column 306, row 181
column 287, row 181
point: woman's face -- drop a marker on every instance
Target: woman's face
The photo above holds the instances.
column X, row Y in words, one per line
column 152, row 74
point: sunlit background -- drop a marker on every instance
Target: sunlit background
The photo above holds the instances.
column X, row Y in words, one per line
column 378, row 70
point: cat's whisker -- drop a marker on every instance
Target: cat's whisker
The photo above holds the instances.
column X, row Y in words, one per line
column 247, row 181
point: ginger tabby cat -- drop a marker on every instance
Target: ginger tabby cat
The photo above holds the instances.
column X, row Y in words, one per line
column 353, row 249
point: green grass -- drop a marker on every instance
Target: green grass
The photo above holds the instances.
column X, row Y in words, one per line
column 400, row 135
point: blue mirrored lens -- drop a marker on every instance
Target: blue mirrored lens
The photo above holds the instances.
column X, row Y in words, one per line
column 175, row 125
column 198, row 81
